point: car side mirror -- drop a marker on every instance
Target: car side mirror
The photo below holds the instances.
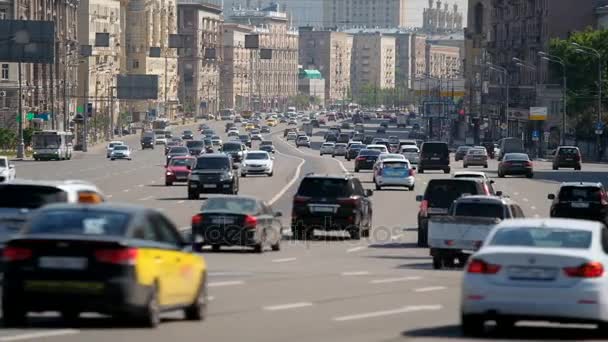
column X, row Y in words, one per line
column 369, row 193
column 551, row 196
column 278, row 214
column 499, row 193
column 419, row 198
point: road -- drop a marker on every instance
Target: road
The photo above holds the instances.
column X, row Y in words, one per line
column 329, row 289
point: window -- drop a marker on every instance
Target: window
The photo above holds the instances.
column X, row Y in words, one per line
column 4, row 75
column 164, row 230
column 2, row 13
column 135, row 64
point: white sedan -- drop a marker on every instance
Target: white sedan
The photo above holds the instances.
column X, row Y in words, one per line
column 121, row 152
column 111, row 145
column 327, row 148
column 537, row 270
column 257, row 162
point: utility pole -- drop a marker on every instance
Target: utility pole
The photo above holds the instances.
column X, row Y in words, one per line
column 20, row 145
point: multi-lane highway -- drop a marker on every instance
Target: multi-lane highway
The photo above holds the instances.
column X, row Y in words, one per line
column 330, row 289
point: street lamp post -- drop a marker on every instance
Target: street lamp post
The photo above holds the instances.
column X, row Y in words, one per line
column 506, row 73
column 595, row 53
column 560, row 61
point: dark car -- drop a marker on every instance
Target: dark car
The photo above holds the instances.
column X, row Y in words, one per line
column 177, row 151
column 268, row 146
column 461, row 152
column 208, row 133
column 235, row 150
column 515, row 164
column 245, row 139
column 82, row 258
column 353, row 151
column 580, row 200
column 343, row 138
column 366, row 159
column 381, row 130
column 195, row 147
column 187, row 135
column 265, row 129
column 315, row 123
column 331, row 203
column 331, row 138
column 208, row 145
column 229, row 125
column 345, row 125
column 147, row 142
column 439, row 196
column 567, row 156
column 434, row 156
column 384, row 124
column 367, row 140
column 237, row 221
column 213, row 173
column 170, row 145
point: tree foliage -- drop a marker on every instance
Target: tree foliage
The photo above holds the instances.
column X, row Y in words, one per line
column 372, row 96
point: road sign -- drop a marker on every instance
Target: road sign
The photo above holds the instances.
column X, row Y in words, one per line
column 599, row 126
column 538, row 113
column 535, row 135
column 599, row 131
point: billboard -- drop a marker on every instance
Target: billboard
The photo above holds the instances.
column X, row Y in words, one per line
column 435, row 109
column 538, row 113
column 252, row 41
column 27, row 41
column 137, row 87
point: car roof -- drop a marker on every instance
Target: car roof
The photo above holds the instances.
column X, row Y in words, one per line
column 475, row 173
column 576, row 147
column 552, row 223
column 113, row 206
column 485, row 199
column 582, row 184
column 369, row 147
column 395, row 160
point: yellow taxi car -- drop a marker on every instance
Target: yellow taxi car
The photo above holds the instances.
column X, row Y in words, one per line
column 249, row 126
column 119, row 260
column 271, row 122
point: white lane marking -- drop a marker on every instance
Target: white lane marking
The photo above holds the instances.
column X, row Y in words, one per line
column 147, row 198
column 533, row 207
column 126, row 190
column 355, row 273
column 180, row 202
column 227, row 274
column 525, row 200
column 393, row 280
column 295, row 177
column 226, row 283
column 355, row 249
column 430, row 288
column 287, row 306
column 39, row 334
column 284, row 260
column 516, row 193
column 396, row 237
column 140, row 186
column 109, row 196
column 404, row 309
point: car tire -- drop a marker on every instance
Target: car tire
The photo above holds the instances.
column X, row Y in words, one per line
column 193, row 195
column 420, row 170
column 501, row 175
column 168, row 183
column 378, row 187
column 271, row 174
column 578, row 168
column 150, row 314
column 70, row 315
column 356, row 170
column 437, row 263
column 447, row 170
column 112, row 159
column 244, row 175
column 197, row 311
column 277, row 246
column 471, row 325
column 258, row 248
column 216, row 248
column 411, row 188
column 530, row 175
column 465, row 166
column 355, row 233
column 555, row 168
column 485, row 166
column 13, row 314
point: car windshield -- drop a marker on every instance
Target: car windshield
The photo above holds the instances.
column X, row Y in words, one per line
column 340, row 145
column 357, row 146
column 212, row 163
column 391, row 156
column 242, row 206
column 194, row 144
column 46, row 141
column 580, row 193
column 187, row 132
column 393, row 140
column 244, row 137
column 114, row 144
column 323, row 187
column 182, row 162
column 441, row 193
column 477, row 152
column 257, row 156
column 435, row 148
column 542, row 238
column 30, row 196
column 516, row 156
column 479, row 210
column 121, row 148
column 178, row 150
column 231, row 147
column 79, row 222
column 463, row 148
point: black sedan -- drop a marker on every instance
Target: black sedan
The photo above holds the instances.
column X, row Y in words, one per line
column 245, row 139
column 353, row 151
column 366, row 159
column 187, row 135
column 177, row 151
column 237, row 221
column 515, row 164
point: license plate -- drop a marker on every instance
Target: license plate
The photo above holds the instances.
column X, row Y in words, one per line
column 437, row 211
column 182, row 178
column 209, row 186
column 222, row 220
column 65, row 263
column 435, row 158
column 580, row 205
column 321, row 209
column 532, row 273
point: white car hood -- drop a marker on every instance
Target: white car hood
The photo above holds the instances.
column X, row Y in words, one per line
column 257, row 162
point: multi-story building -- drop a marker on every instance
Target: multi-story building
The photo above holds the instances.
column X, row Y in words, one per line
column 46, row 88
column 373, row 62
column 150, row 22
column 312, row 84
column 368, row 13
column 97, row 73
column 329, row 52
column 442, row 61
column 601, row 12
column 441, row 20
column 300, row 13
column 274, row 66
column 235, row 67
column 200, row 25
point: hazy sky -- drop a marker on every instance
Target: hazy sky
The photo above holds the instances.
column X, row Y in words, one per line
column 414, row 10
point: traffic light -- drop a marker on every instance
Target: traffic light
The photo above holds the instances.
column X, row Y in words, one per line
column 90, row 108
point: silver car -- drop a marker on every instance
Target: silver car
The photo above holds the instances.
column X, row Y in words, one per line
column 340, row 150
column 327, row 148
column 411, row 153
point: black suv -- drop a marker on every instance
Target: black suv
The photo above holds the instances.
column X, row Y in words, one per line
column 213, row 173
column 441, row 193
column 195, row 146
column 580, row 200
column 235, row 150
column 331, row 203
column 366, row 159
column 245, row 139
column 434, row 156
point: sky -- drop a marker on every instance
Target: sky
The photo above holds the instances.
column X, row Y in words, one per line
column 414, row 10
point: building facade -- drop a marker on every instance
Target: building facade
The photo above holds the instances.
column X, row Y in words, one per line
column 312, row 84
column 235, row 67
column 441, row 20
column 369, row 13
column 300, row 13
column 442, row 61
column 46, row 88
column 329, row 52
column 200, row 25
column 373, row 62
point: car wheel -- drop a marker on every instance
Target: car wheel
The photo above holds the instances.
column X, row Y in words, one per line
column 13, row 314
column 504, row 325
column 69, row 315
column 347, row 159
column 555, row 168
column 437, row 263
column 198, row 309
column 356, row 170
column 150, row 315
column 447, row 170
column 243, row 175
column 192, row 195
column 112, row 159
column 578, row 168
column 309, row 234
column 271, row 174
column 420, row 170
column 465, row 166
column 277, row 246
column 258, row 248
column 216, row 248
column 168, row 183
column 411, row 188
column 471, row 325
column 378, row 187
column 529, row 175
column 485, row 166
column 355, row 233
column 501, row 175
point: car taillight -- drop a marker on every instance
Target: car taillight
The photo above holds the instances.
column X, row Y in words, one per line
column 347, row 201
column 577, row 157
column 301, row 199
column 412, row 172
column 424, row 207
column 479, row 266
column 197, row 219
column 588, row 270
column 16, row 254
column 529, row 163
column 251, row 221
column 486, row 189
column 360, row 158
column 123, row 256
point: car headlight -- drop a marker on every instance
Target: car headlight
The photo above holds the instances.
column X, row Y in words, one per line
column 169, row 173
column 56, row 152
column 226, row 176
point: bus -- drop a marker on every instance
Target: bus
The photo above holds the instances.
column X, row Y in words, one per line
column 50, row 144
column 227, row 114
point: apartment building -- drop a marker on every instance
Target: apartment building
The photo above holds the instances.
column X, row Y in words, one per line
column 364, row 13
column 373, row 61
column 235, row 67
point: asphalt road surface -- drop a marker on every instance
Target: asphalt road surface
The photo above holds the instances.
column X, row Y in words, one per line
column 331, row 289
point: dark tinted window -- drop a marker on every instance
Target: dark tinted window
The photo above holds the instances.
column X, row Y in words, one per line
column 214, row 163
column 542, row 237
column 442, row 193
column 324, row 187
column 517, row 156
column 231, row 147
column 357, row 146
column 568, row 151
column 480, row 210
column 230, row 205
column 30, row 196
column 181, row 162
column 194, row 143
column 80, row 222
column 440, row 148
column 580, row 193
column 178, row 150
column 244, row 137
column 369, row 153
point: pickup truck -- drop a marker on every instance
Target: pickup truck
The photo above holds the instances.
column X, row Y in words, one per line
column 7, row 170
column 464, row 229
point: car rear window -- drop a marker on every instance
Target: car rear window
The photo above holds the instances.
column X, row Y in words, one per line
column 395, row 165
column 580, row 193
column 568, row 151
column 80, row 222
column 323, row 187
column 478, row 152
column 369, row 153
column 178, row 150
column 442, row 193
column 30, row 196
column 231, row 205
column 542, row 237
column 409, row 150
column 480, row 210
column 435, row 148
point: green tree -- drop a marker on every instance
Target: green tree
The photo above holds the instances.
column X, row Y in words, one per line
column 27, row 135
column 8, row 138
